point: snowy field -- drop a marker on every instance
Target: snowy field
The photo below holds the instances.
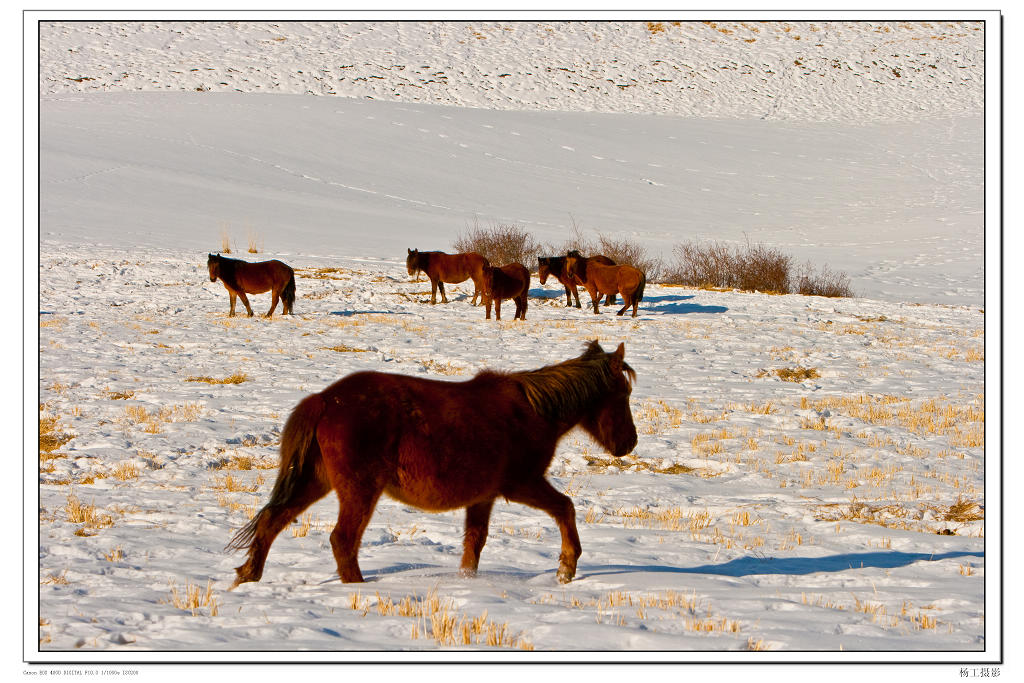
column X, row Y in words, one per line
column 810, row 478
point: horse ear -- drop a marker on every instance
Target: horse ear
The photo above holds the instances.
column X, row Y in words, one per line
column 620, row 353
column 593, row 348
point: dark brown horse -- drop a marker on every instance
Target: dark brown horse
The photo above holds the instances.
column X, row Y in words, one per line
column 438, row 446
column 451, row 268
column 241, row 278
column 508, row 282
column 555, row 266
column 601, row 279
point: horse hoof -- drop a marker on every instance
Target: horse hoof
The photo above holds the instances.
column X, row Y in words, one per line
column 564, row 576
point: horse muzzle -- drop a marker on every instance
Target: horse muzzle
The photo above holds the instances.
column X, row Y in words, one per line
column 626, row 446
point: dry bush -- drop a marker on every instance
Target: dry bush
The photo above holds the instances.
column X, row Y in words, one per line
column 825, row 283
column 501, row 244
column 628, row 253
column 704, row 266
column 763, row 269
column 750, row 268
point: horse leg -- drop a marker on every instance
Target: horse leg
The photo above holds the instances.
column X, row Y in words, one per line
column 433, row 291
column 595, row 296
column 497, row 309
column 521, row 304
column 477, row 518
column 245, row 300
column 541, row 494
column 270, row 521
column 444, row 297
column 576, row 295
column 355, row 507
column 276, row 294
column 233, row 296
column 626, row 299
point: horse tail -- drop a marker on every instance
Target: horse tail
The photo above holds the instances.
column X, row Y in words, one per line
column 639, row 293
column 288, row 293
column 300, row 458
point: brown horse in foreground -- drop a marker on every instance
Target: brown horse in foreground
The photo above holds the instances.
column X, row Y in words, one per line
column 555, row 265
column 508, row 282
column 438, row 446
column 241, row 278
column 451, row 268
column 600, row 279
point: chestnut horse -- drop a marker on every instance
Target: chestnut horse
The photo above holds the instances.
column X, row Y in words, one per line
column 555, row 265
column 451, row 268
column 508, row 282
column 440, row 445
column 601, row 279
column 241, row 278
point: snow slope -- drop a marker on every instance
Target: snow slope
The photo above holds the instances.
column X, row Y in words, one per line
column 843, row 512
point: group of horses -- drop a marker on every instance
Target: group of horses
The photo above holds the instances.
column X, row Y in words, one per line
column 599, row 275
column 442, row 445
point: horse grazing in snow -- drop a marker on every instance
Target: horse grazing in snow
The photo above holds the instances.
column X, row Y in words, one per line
column 241, row 278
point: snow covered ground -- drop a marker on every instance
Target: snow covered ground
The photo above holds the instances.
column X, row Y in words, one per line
column 844, row 511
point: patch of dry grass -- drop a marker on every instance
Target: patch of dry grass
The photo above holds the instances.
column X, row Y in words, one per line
column 236, row 378
column 797, row 374
column 439, row 620
column 192, row 597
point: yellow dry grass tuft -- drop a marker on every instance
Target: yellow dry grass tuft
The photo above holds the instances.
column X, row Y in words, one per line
column 192, row 597
column 797, row 374
column 438, row 619
column 236, row 378
column 50, row 435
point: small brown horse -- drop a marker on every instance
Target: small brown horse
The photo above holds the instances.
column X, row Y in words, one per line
column 451, row 268
column 508, row 282
column 601, row 279
column 555, row 266
column 242, row 277
column 441, row 445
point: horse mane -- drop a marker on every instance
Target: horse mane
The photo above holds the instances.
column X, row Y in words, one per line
column 562, row 389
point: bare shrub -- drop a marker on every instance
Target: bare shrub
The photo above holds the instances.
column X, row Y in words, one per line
column 762, row 269
column 625, row 252
column 828, row 282
column 750, row 268
column 705, row 266
column 500, row 244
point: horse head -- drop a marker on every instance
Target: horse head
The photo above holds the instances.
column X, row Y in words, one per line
column 543, row 268
column 412, row 261
column 575, row 267
column 611, row 424
column 213, row 265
